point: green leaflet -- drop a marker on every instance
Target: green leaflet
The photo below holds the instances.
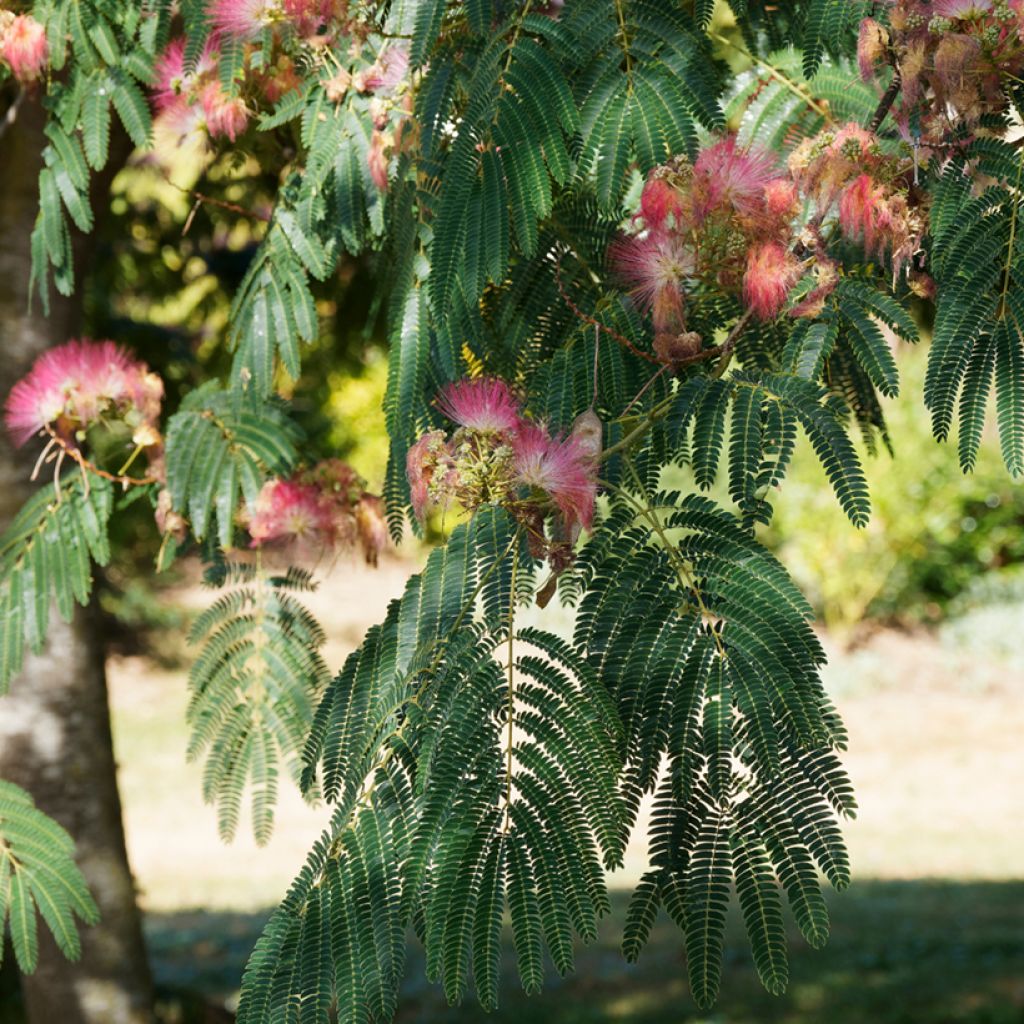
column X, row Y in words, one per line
column 731, row 681
column 977, row 258
column 113, row 50
column 46, row 556
column 221, row 448
column 38, row 876
column 253, row 686
column 420, row 711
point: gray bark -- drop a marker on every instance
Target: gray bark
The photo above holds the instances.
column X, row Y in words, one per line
column 54, row 725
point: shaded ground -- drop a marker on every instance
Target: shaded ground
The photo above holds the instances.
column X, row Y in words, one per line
column 901, row 952
column 931, row 931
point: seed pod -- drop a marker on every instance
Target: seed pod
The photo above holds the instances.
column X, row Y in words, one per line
column 588, row 432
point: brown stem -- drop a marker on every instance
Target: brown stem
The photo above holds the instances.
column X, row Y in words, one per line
column 887, row 100
column 586, row 318
column 74, row 453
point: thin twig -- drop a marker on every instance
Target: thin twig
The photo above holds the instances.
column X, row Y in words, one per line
column 586, row 318
column 74, row 453
column 887, row 100
column 232, row 207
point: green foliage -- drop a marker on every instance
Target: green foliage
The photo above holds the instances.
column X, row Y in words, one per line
column 38, row 876
column 827, row 27
column 462, row 787
column 107, row 51
column 46, row 556
column 774, row 104
column 977, row 257
column 254, row 683
column 219, row 447
column 675, row 617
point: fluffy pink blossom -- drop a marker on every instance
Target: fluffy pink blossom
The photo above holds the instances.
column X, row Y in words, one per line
column 882, row 219
column 562, row 467
column 727, row 175
column 286, row 510
column 780, row 199
column 481, row 403
column 308, row 17
column 872, row 40
column 658, row 200
column 23, row 47
column 377, row 159
column 823, row 165
column 431, row 472
column 172, row 79
column 771, row 272
column 385, row 73
column 180, row 122
column 655, row 267
column 960, row 9
column 70, row 387
column 242, row 19
column 225, row 115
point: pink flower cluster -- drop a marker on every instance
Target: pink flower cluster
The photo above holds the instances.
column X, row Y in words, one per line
column 285, row 41
column 846, row 166
column 952, row 56
column 498, row 456
column 23, row 46
column 248, row 19
column 75, row 386
column 724, row 220
column 191, row 103
column 323, row 508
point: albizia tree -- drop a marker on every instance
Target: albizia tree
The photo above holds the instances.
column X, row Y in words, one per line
column 614, row 236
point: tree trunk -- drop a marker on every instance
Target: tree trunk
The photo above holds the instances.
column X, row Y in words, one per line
column 55, row 725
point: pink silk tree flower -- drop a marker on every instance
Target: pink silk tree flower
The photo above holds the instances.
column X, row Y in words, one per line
column 658, row 200
column 655, row 269
column 872, row 41
column 480, row 403
column 225, row 115
column 23, row 47
column 377, row 159
column 781, row 201
column 960, row 9
column 286, row 510
column 180, row 123
column 308, row 17
column 431, row 473
column 385, row 73
column 772, row 270
column 71, row 386
column 862, row 211
column 242, row 19
column 727, row 175
column 562, row 467
column 172, row 79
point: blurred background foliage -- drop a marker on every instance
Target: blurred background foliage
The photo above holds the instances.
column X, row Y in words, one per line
column 934, row 531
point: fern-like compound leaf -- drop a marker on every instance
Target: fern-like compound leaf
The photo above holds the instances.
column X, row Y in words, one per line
column 38, row 878
column 253, row 687
column 46, row 555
